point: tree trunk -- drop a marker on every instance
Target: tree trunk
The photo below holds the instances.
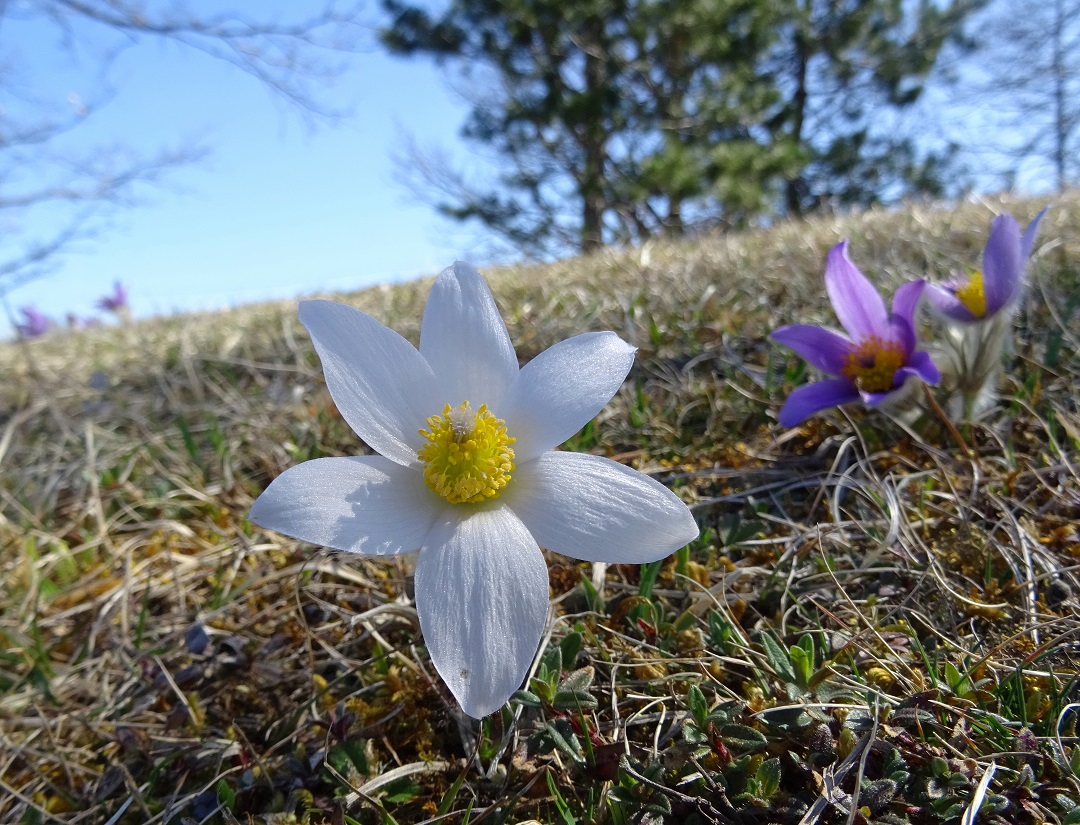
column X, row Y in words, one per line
column 795, row 186
column 1060, row 80
column 594, row 144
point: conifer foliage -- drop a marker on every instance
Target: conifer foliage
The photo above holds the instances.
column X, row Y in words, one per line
column 614, row 121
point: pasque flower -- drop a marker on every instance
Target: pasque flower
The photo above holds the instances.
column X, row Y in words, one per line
column 997, row 286
column 978, row 312
column 876, row 357
column 467, row 475
column 35, row 324
column 116, row 301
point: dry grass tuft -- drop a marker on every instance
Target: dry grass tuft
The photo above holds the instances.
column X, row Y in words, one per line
column 870, row 626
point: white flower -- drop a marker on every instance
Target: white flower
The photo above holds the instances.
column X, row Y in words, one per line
column 467, row 475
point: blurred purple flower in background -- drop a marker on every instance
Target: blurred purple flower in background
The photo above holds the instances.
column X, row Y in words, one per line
column 35, row 324
column 997, row 287
column 115, row 302
column 979, row 314
column 876, row 357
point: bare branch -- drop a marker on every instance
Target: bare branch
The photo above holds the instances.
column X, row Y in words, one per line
column 39, row 173
column 291, row 60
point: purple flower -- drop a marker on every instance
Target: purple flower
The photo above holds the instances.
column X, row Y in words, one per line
column 115, row 302
column 876, row 357
column 35, row 325
column 997, row 286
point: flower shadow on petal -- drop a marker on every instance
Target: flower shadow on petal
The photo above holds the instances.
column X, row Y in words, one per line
column 360, row 504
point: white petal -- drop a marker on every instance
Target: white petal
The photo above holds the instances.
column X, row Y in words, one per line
column 559, row 391
column 482, row 597
column 595, row 509
column 465, row 341
column 380, row 383
column 362, row 504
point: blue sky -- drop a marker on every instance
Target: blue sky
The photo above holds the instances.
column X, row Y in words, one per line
column 277, row 209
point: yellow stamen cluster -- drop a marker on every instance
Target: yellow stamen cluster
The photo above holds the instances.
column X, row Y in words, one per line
column 872, row 365
column 468, row 458
column 973, row 296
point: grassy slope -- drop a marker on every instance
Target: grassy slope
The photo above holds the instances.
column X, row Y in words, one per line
column 866, row 609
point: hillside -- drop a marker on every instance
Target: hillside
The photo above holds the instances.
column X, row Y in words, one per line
column 869, row 621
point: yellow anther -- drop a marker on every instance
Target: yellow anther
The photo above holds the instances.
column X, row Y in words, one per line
column 872, row 365
column 973, row 296
column 468, row 457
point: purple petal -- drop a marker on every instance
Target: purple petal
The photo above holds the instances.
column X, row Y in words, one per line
column 873, row 399
column 919, row 365
column 903, row 332
column 906, row 300
column 806, row 400
column 858, row 305
column 922, row 365
column 1028, row 241
column 944, row 301
column 36, row 323
column 1002, row 264
column 823, row 348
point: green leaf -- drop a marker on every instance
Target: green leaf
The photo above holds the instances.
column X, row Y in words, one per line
column 580, row 680
column 450, row 795
column 693, row 735
column 551, row 665
column 189, row 444
column 649, row 572
column 719, row 630
column 563, row 738
column 801, row 665
column 354, row 749
column 573, row 699
column 340, row 759
column 525, row 697
column 685, row 621
column 566, row 816
column 768, row 778
column 402, row 790
column 570, row 648
column 742, row 737
column 225, row 795
column 593, row 601
column 699, row 708
column 778, row 658
column 954, row 680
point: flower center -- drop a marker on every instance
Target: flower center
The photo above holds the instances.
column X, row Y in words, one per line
column 467, row 458
column 873, row 364
column 973, row 296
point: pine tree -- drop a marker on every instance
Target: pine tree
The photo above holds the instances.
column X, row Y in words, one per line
column 617, row 119
column 849, row 69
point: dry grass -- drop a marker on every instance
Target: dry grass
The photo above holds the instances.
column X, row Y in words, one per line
column 869, row 622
